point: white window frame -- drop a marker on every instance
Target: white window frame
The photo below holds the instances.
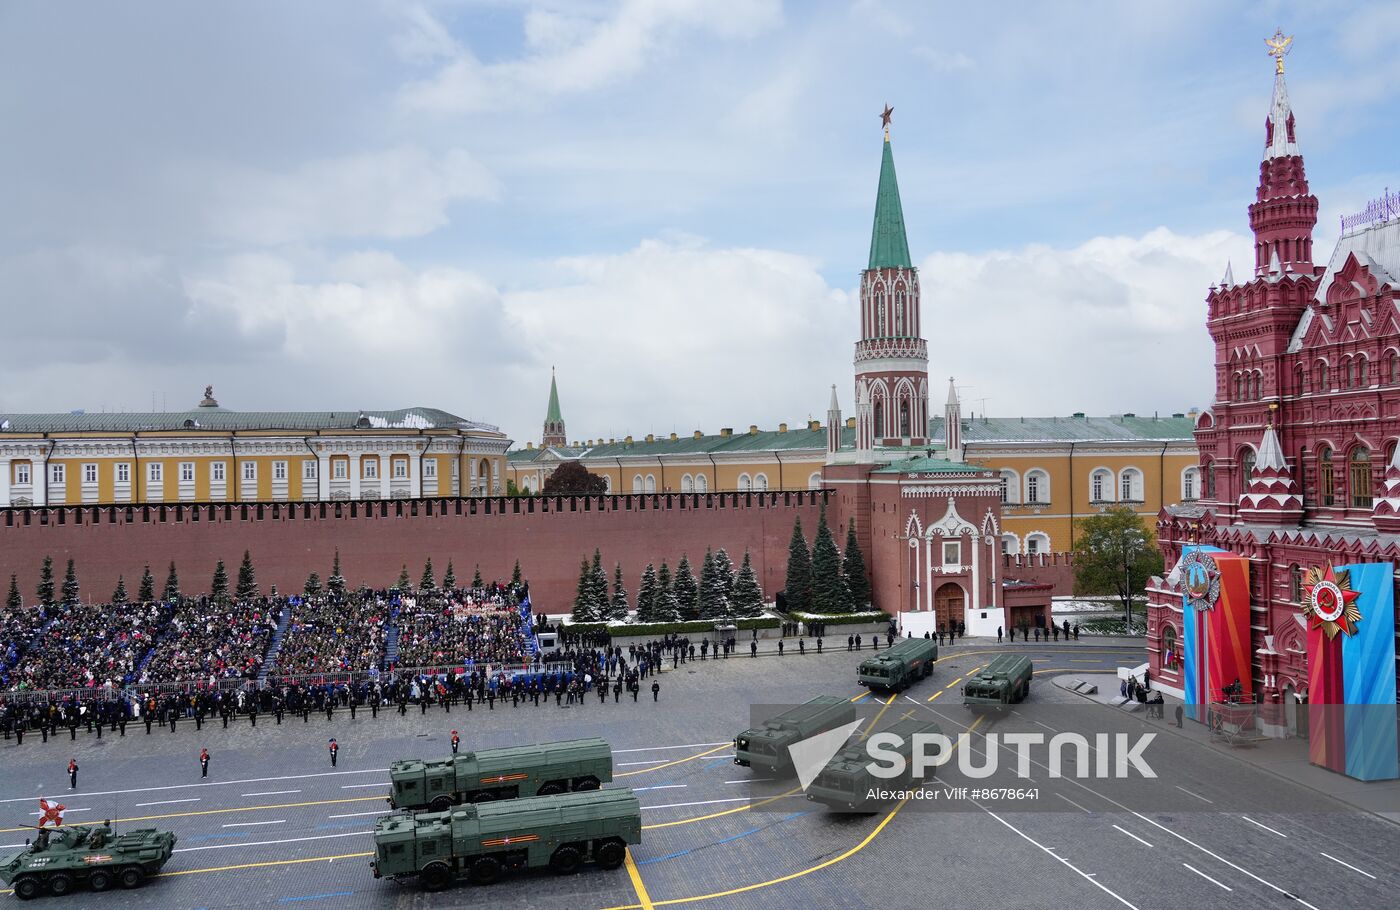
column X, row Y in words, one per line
column 687, row 484
column 636, row 483
column 430, row 469
column 90, row 472
column 22, row 474
column 760, row 482
column 123, row 472
column 279, row 470
column 1034, row 542
column 218, row 471
column 1107, row 483
column 187, row 472
column 1130, row 485
column 369, row 467
column 155, row 472
column 745, row 483
column 814, row 481
column 702, row 483
column 1191, row 484
column 57, row 473
column 310, row 469
column 1010, row 544
column 1036, row 479
column 399, row 466
column 340, row 469
column 651, row 483
column 250, row 471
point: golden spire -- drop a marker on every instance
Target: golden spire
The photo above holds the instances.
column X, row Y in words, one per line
column 1279, row 46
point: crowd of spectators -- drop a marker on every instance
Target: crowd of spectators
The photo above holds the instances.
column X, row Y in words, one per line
column 209, row 641
column 333, row 633
column 480, row 626
column 85, row 645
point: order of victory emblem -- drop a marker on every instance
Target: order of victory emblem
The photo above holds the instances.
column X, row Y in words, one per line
column 1200, row 580
column 1330, row 601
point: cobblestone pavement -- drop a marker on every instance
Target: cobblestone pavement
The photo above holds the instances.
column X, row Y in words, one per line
column 276, row 825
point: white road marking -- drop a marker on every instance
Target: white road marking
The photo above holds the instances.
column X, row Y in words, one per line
column 358, row 814
column 359, row 786
column 1074, row 804
column 663, row 748
column 1265, row 827
column 272, row 792
column 264, row 843
column 1133, row 836
column 650, row 761
column 1089, row 876
column 703, row 802
column 749, row 780
column 274, row 821
column 659, row 787
column 1349, row 866
column 211, row 783
column 65, row 811
column 167, row 802
column 1197, row 795
column 1207, row 877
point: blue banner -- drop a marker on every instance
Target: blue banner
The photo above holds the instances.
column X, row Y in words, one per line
column 1368, row 676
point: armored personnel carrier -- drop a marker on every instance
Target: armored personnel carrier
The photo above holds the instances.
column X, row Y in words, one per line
column 487, row 774
column 846, row 783
column 1005, row 681
column 60, row 860
column 900, row 666
column 766, row 747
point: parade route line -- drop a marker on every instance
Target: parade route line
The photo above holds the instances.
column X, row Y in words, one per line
column 678, row 761
column 663, row 748
column 357, row 814
column 271, row 821
column 703, row 802
column 1264, row 826
column 314, row 802
column 210, row 783
column 1133, row 836
column 1349, row 866
column 638, row 886
column 265, row 843
column 660, row 787
column 274, row 792
column 650, row 761
column 1208, row 878
column 168, row 802
column 358, row 786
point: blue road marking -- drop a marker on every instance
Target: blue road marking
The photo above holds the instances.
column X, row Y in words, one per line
column 719, row 763
column 732, row 837
column 315, row 897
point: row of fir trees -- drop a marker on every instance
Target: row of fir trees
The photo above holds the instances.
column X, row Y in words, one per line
column 821, row 580
column 427, row 583
column 720, row 593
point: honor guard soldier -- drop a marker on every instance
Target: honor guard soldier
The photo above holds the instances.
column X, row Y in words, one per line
column 655, row 690
column 456, row 741
column 72, row 774
column 203, row 763
column 334, row 749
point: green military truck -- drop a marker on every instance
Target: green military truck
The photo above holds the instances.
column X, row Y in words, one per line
column 482, row 842
column 474, row 777
column 766, row 747
column 847, row 784
column 62, row 859
column 1004, row 681
column 899, row 666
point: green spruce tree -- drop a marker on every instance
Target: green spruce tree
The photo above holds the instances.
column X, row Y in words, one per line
column 247, row 580
column 403, row 585
column 476, row 578
column 668, row 608
column 146, row 593
column 172, row 584
column 827, row 597
column 71, row 596
column 583, row 597
column 45, row 589
column 119, row 595
column 797, row 589
column 218, row 589
column 313, row 585
column 515, row 575
column 598, row 586
column 449, row 578
column 687, row 590
column 427, row 584
column 747, row 598
column 646, row 595
column 618, row 606
column 336, row 583
column 724, row 572
column 13, row 600
column 714, row 603
column 857, row 584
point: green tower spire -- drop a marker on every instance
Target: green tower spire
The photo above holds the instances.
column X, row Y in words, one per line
column 889, row 248
column 553, row 416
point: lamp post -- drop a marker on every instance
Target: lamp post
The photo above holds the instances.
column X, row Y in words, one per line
column 1132, row 543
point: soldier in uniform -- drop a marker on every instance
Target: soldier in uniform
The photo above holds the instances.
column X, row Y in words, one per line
column 780, row 647
column 72, row 774
column 203, row 763
column 456, row 741
column 655, row 690
column 753, row 649
column 801, row 647
column 334, row 749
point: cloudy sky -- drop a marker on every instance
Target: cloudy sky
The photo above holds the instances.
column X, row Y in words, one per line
column 382, row 204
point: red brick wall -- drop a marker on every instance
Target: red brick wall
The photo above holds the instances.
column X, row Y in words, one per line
column 1044, row 568
column 289, row 541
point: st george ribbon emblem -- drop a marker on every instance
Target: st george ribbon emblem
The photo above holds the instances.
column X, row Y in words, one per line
column 1330, row 601
column 1200, row 579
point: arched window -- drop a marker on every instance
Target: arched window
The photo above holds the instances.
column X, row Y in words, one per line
column 904, row 417
column 1361, row 371
column 880, row 314
column 1255, row 380
column 1130, row 485
column 1326, row 480
column 1247, row 457
column 651, row 483
column 1299, row 381
column 880, row 418
column 1171, row 659
column 1010, row 544
column 1010, row 487
column 1348, row 374
column 1359, row 480
column 1320, row 376
column 1239, row 387
column 1101, row 486
column 1210, row 478
column 745, row 483
column 636, row 483
column 702, row 483
column 899, row 313
column 760, row 483
column 687, row 484
column 1037, row 543
column 1037, row 486
column 1190, row 484
column 607, row 483
column 814, row 481
column 1295, row 583
column 1392, row 367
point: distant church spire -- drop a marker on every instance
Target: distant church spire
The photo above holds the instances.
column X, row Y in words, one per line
column 952, row 424
column 889, row 247
column 1284, row 212
column 553, row 418
column 833, row 423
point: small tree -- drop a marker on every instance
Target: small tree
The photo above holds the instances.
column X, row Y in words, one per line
column 218, row 589
column 247, row 580
column 687, row 590
column 646, row 595
column 336, row 583
column 747, row 598
column 713, row 599
column 667, row 607
column 147, row 591
column 172, row 584
column 584, row 610
column 119, row 595
column 1115, row 553
column 827, row 594
column 724, row 572
column 313, row 585
column 857, row 584
column 13, row 599
column 476, row 577
column 617, row 608
column 427, row 584
column 573, row 477
column 797, row 588
column 45, row 589
column 515, row 575
column 403, row 585
column 449, row 578
column 70, row 586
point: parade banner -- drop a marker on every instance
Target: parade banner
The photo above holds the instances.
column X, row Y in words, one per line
column 1215, row 634
column 1351, row 670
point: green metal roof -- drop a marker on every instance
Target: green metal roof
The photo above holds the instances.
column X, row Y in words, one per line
column 1069, row 429
column 220, row 419
column 926, row 465
column 889, row 247
column 553, row 415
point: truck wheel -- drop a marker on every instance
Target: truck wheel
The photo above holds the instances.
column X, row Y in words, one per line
column 132, row 877
column 610, row 854
column 435, row 877
column 100, row 880
column 587, row 783
column 442, row 803
column 60, row 883
column 485, row 871
column 552, row 788
column 566, row 860
column 484, row 796
column 27, row 888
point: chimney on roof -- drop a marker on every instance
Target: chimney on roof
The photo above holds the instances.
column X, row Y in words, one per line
column 782, row 428
column 628, row 440
column 1079, row 414
column 726, row 431
column 850, row 423
column 611, row 440
column 529, row 445
column 651, row 438
column 753, row 429
column 699, row 434
column 673, row 437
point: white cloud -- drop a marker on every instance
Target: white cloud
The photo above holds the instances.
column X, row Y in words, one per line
column 943, row 61
column 570, row 55
column 421, row 38
column 398, row 192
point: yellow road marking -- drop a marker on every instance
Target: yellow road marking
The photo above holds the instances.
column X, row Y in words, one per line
column 860, row 696
column 643, row 898
column 272, row 862
column 318, row 802
column 792, row 875
column 871, row 726
column 671, row 764
column 935, row 695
